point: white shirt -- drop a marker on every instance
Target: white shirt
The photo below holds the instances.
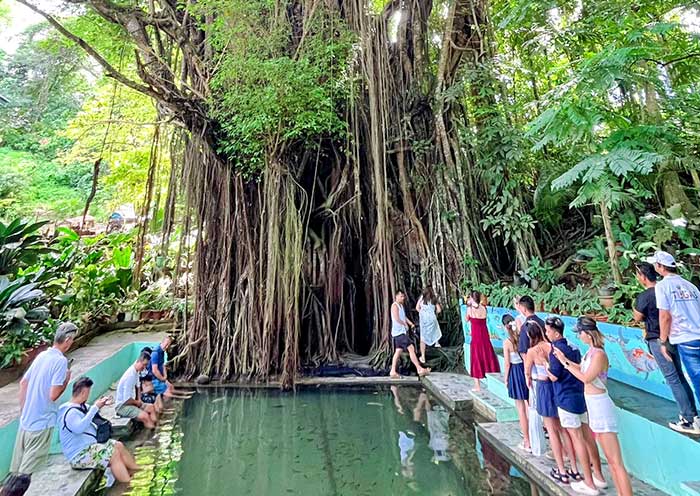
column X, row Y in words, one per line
column 79, row 432
column 682, row 299
column 47, row 370
column 126, row 390
column 397, row 328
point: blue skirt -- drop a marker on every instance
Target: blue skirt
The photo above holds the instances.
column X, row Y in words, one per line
column 545, row 399
column 517, row 386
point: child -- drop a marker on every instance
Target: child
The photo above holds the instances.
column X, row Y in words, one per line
column 514, row 377
column 148, row 395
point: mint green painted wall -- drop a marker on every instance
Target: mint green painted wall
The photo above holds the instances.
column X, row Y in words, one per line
column 104, row 374
column 656, row 454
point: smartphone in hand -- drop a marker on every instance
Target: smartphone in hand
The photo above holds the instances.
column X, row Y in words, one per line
column 70, row 362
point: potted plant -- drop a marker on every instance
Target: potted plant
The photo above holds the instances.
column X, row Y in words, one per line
column 606, row 294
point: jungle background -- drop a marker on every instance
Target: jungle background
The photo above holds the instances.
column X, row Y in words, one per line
column 293, row 163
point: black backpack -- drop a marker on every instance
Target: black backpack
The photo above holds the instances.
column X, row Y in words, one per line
column 103, row 427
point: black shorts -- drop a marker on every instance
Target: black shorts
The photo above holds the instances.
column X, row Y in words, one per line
column 402, row 342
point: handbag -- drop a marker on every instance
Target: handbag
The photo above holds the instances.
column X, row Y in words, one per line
column 103, row 427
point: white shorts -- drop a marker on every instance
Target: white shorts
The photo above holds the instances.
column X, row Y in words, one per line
column 572, row 420
column 603, row 415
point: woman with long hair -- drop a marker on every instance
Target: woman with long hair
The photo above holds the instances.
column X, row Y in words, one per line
column 537, row 358
column 514, row 377
column 602, row 416
column 428, row 308
column 481, row 355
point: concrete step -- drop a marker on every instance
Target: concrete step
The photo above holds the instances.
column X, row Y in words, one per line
column 494, row 382
column 452, row 389
column 492, row 407
column 505, row 436
column 57, row 477
column 691, row 488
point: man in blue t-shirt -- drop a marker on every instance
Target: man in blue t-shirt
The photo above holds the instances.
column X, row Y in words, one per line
column 571, row 405
column 157, row 368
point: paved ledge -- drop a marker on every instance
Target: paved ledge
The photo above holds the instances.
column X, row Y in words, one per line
column 454, row 390
column 504, row 435
column 311, row 381
column 58, row 478
column 97, row 350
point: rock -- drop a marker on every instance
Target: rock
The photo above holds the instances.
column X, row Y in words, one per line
column 202, row 379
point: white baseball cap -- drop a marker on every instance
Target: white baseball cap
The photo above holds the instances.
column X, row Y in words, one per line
column 662, row 258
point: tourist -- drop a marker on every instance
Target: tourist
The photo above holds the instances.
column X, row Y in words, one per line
column 514, row 377
column 15, row 485
column 158, row 369
column 78, row 436
column 127, row 403
column 645, row 309
column 526, row 307
column 399, row 336
column 571, row 409
column 482, row 358
column 536, row 361
column 678, row 302
column 428, row 308
column 602, row 416
column 41, row 386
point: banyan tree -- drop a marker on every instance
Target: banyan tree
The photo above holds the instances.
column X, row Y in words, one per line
column 328, row 153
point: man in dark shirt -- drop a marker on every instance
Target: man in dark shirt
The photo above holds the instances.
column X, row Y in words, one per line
column 526, row 306
column 669, row 361
column 571, row 405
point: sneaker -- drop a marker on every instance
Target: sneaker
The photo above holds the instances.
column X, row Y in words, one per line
column 110, row 477
column 582, row 488
column 522, row 447
column 600, row 484
column 686, row 427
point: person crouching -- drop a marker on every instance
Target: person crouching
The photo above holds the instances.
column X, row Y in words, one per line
column 78, row 436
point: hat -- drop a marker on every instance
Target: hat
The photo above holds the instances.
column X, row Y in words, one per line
column 662, row 258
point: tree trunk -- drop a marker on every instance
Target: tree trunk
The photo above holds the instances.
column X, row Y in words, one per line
column 612, row 245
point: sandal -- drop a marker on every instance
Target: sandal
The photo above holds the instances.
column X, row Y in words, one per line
column 574, row 475
column 558, row 476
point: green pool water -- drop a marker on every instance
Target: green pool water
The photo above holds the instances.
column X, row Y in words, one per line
column 317, row 442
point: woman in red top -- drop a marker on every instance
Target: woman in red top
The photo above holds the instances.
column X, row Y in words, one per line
column 482, row 357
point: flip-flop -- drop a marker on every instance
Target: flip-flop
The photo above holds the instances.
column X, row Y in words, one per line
column 395, row 376
column 423, row 374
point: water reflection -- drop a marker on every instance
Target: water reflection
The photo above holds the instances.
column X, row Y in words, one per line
column 320, row 442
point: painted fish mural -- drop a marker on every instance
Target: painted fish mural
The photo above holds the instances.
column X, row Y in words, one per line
column 642, row 361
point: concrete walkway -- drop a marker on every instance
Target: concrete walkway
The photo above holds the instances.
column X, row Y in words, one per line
column 87, row 357
column 503, row 433
column 504, row 436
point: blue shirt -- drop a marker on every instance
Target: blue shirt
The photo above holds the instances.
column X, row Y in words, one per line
column 523, row 338
column 157, row 360
column 568, row 390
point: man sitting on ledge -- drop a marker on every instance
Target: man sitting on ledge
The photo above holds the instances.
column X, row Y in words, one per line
column 78, row 437
column 128, row 405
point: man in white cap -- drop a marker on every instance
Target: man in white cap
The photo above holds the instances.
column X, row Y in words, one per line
column 678, row 301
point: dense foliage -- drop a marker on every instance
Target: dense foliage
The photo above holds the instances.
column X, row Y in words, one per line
column 326, row 154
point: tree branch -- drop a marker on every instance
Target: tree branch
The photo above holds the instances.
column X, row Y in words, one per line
column 110, row 70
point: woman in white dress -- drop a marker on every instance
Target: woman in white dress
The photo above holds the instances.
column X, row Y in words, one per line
column 428, row 308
